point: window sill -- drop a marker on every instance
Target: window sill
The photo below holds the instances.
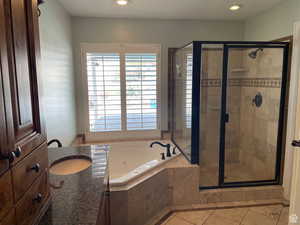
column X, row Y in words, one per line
column 122, row 135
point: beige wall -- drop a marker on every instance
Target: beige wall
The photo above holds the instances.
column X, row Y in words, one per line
column 57, row 72
column 168, row 33
column 274, row 23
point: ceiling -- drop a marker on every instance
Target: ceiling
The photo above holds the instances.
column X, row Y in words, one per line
column 168, row 9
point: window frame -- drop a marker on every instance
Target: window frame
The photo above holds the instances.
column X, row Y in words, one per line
column 122, row 49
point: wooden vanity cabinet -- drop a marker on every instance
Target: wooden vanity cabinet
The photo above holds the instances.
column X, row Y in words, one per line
column 10, row 219
column 23, row 143
column 24, row 54
column 6, row 126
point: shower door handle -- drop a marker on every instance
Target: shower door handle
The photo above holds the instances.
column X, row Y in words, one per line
column 226, row 118
column 296, row 143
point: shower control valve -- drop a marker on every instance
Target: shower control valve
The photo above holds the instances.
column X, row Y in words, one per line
column 296, row 143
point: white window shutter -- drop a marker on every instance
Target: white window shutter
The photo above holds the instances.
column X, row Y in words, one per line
column 103, row 71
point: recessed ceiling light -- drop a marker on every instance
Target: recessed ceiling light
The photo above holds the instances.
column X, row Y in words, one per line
column 122, row 2
column 235, row 7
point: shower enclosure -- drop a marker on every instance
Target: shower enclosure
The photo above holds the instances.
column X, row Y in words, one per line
column 228, row 110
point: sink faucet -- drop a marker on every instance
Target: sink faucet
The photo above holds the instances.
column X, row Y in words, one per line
column 168, row 146
column 55, row 141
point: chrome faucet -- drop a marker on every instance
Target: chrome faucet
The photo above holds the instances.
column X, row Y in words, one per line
column 168, row 146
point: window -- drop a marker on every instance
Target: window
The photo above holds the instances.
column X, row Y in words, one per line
column 122, row 87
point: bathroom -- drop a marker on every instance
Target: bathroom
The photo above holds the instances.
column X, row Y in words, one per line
column 130, row 113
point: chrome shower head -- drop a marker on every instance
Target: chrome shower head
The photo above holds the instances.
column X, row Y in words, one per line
column 253, row 54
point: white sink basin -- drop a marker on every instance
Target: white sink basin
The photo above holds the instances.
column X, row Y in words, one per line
column 70, row 165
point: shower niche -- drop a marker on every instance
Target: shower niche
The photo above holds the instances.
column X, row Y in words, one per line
column 228, row 102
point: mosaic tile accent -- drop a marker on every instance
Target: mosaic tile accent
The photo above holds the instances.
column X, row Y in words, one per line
column 261, row 82
column 244, row 82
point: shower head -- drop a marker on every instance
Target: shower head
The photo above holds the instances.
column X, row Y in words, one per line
column 253, row 54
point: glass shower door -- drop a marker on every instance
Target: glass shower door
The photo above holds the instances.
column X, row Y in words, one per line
column 251, row 113
column 184, row 84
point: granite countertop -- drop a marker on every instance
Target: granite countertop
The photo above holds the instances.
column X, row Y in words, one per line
column 76, row 198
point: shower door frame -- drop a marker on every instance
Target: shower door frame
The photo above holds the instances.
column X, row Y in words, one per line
column 223, row 120
column 278, row 162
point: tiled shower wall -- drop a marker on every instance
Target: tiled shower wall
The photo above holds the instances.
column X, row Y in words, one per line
column 259, row 125
column 251, row 134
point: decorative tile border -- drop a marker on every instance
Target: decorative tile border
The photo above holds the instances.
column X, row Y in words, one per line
column 244, row 82
column 211, row 83
column 261, row 82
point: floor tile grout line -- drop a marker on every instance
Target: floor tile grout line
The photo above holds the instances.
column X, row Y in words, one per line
column 190, row 221
column 184, row 220
column 178, row 217
column 235, row 221
column 279, row 216
column 204, row 222
column 261, row 213
column 213, row 211
column 244, row 216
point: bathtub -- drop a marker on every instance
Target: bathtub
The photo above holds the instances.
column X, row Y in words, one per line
column 129, row 160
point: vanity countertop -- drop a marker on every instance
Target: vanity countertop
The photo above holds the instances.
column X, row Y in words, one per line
column 76, row 198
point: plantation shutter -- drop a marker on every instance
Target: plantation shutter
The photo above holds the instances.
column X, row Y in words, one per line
column 122, row 87
column 141, row 91
column 103, row 73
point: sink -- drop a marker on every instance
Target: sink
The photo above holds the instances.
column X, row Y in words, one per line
column 70, row 165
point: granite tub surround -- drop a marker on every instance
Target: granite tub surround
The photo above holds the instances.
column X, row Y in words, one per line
column 76, row 198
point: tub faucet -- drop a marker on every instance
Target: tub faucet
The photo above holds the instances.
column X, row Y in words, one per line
column 168, row 146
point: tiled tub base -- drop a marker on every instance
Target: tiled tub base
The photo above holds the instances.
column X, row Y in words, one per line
column 177, row 188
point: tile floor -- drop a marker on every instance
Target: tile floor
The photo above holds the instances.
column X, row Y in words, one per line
column 258, row 215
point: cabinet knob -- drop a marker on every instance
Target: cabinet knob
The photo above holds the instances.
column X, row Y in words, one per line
column 38, row 198
column 9, row 156
column 18, row 152
column 36, row 167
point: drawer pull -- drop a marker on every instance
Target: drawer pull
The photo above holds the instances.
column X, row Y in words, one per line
column 38, row 198
column 36, row 167
column 18, row 152
column 11, row 155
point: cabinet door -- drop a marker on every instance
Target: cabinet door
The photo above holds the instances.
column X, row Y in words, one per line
column 10, row 219
column 6, row 128
column 26, row 93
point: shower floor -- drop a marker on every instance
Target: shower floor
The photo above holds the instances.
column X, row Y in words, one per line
column 234, row 172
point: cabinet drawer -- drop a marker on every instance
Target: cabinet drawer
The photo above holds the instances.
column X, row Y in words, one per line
column 6, row 194
column 9, row 219
column 31, row 203
column 27, row 171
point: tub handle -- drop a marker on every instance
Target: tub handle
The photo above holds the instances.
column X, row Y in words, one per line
column 163, row 157
column 174, row 150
